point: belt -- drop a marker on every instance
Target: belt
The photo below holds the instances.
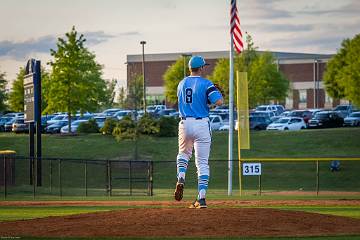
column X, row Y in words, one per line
column 198, row 118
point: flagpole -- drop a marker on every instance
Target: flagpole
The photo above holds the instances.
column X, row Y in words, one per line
column 231, row 115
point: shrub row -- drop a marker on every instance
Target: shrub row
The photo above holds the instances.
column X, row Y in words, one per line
column 127, row 128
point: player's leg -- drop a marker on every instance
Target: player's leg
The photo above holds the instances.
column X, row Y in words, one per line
column 202, row 145
column 183, row 157
column 185, row 150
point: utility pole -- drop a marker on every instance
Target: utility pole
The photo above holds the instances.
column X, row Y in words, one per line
column 143, row 71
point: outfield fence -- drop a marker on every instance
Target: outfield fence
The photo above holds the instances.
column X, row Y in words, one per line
column 77, row 177
column 336, row 174
column 102, row 177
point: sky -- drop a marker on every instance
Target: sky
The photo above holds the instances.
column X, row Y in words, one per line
column 114, row 28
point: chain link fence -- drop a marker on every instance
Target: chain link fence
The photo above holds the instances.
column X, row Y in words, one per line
column 76, row 177
column 87, row 178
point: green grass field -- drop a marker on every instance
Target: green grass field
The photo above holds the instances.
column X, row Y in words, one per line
column 308, row 143
column 284, row 176
column 343, row 142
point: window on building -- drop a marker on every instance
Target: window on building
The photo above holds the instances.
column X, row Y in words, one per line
column 302, row 96
column 289, row 99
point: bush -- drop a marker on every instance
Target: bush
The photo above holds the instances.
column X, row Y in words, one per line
column 148, row 125
column 88, row 127
column 109, row 126
column 125, row 129
column 168, row 127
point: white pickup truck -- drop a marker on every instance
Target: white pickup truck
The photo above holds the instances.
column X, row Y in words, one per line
column 155, row 108
column 216, row 122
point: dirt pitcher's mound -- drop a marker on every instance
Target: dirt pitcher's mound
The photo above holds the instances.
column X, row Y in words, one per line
column 147, row 222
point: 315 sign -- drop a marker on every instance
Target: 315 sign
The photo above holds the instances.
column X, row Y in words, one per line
column 250, row 169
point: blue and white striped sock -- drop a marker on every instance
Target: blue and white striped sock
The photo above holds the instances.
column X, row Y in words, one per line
column 182, row 165
column 203, row 182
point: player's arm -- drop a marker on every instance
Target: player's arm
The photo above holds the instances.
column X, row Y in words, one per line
column 219, row 102
column 214, row 95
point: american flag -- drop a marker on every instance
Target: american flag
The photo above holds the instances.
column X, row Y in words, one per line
column 235, row 28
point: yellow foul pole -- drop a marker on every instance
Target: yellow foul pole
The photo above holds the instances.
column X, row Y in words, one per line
column 239, row 128
column 242, row 102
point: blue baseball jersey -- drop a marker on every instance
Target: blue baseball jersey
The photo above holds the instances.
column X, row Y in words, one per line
column 194, row 94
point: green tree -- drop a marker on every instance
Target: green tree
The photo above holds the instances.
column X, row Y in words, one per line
column 264, row 80
column 16, row 96
column 134, row 99
column 45, row 82
column 220, row 75
column 121, row 100
column 342, row 76
column 75, row 83
column 110, row 93
column 3, row 95
column 173, row 75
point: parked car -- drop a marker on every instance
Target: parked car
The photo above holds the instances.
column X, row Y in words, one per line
column 44, row 121
column 3, row 121
column 110, row 112
column 258, row 123
column 140, row 114
column 304, row 114
column 285, row 113
column 155, row 108
column 100, row 121
column 274, row 119
column 8, row 124
column 166, row 112
column 55, row 127
column 74, row 126
column 287, row 123
column 352, row 120
column 268, row 114
column 222, row 108
column 175, row 114
column 344, row 110
column 60, row 117
column 279, row 109
column 215, row 122
column 255, row 123
column 120, row 114
column 266, row 108
column 15, row 115
column 20, row 126
column 87, row 116
column 325, row 119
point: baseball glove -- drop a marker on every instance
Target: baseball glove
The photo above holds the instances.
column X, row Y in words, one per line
column 219, row 89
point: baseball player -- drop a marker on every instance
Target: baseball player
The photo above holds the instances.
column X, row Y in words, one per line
column 195, row 93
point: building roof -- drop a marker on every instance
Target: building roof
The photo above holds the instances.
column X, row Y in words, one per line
column 223, row 54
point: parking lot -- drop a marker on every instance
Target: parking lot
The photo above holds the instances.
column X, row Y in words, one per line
column 263, row 117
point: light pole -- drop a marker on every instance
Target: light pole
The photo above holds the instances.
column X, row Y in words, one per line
column 185, row 55
column 143, row 71
column 316, row 82
column 314, row 78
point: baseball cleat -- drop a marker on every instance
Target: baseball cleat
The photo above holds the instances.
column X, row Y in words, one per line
column 201, row 203
column 179, row 190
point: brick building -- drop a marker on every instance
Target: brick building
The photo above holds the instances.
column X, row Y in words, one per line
column 304, row 71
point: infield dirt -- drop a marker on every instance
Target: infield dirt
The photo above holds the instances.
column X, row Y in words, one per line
column 224, row 219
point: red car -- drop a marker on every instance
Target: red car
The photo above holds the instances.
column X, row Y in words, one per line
column 304, row 114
